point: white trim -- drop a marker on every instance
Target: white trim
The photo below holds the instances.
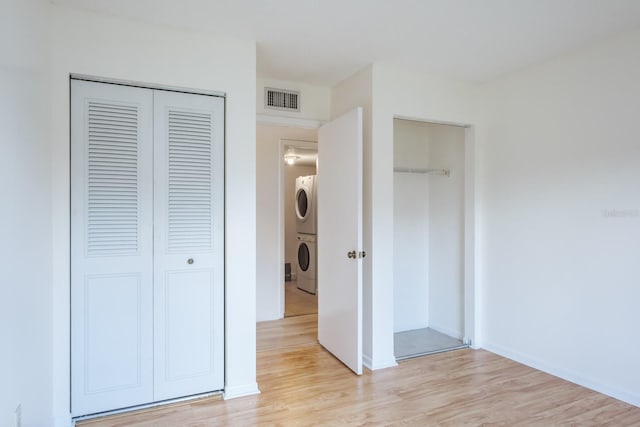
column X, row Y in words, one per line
column 434, row 122
column 240, row 391
column 368, row 363
column 74, row 76
column 267, row 119
column 450, row 332
column 568, row 375
column 471, row 293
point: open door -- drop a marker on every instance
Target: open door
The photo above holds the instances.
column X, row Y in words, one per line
column 340, row 250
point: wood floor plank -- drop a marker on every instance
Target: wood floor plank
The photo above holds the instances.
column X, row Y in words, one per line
column 298, row 302
column 289, row 332
column 304, row 385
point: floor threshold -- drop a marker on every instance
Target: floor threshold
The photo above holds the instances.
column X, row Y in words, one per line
column 138, row 409
column 427, row 353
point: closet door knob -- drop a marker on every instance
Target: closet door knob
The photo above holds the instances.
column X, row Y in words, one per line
column 351, row 254
column 190, row 261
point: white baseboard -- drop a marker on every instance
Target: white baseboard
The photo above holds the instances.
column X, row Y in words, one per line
column 63, row 421
column 368, row 363
column 240, row 391
column 452, row 333
column 565, row 374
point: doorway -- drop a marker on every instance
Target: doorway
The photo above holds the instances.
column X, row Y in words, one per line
column 298, row 172
column 429, row 238
column 339, row 249
column 271, row 238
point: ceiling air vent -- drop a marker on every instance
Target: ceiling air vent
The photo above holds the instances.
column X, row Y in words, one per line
column 281, row 99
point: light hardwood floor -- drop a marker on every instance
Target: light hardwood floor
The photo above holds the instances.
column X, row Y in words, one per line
column 303, row 385
column 297, row 302
column 297, row 331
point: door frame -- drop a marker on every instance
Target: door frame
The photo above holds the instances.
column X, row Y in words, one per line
column 281, row 225
column 471, row 307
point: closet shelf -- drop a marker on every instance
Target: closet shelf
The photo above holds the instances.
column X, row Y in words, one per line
column 427, row 171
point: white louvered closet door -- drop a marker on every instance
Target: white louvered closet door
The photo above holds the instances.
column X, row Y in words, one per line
column 189, row 244
column 147, row 246
column 111, row 247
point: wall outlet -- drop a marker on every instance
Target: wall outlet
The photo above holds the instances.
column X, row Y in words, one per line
column 19, row 415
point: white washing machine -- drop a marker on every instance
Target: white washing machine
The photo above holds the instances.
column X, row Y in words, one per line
column 306, row 221
column 307, row 262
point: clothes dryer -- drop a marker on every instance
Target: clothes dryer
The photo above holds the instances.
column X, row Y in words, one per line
column 307, row 263
column 305, row 201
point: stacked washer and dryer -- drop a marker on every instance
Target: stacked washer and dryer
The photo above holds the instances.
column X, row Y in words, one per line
column 306, row 227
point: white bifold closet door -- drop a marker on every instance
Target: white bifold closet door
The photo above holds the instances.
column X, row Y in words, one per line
column 147, row 278
column 188, row 244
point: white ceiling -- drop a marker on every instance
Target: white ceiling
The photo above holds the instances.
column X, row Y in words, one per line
column 323, row 41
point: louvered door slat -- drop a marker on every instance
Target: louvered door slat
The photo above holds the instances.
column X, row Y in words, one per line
column 189, row 158
column 112, row 169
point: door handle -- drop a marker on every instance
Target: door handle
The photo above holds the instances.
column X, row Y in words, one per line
column 190, row 261
column 351, row 254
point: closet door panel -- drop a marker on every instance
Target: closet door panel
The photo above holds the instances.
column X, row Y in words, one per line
column 189, row 244
column 111, row 247
column 188, row 297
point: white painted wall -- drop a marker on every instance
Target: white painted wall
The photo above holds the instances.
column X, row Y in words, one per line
column 429, row 228
column 410, row 228
column 106, row 46
column 561, row 217
column 446, row 224
column 268, row 271
column 314, row 100
column 25, row 214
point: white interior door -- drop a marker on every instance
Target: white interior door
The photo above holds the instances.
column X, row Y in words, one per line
column 340, row 250
column 111, row 247
column 189, row 244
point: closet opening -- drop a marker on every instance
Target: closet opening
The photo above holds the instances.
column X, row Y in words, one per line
column 430, row 191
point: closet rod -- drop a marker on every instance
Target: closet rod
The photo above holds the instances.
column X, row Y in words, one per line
column 445, row 172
